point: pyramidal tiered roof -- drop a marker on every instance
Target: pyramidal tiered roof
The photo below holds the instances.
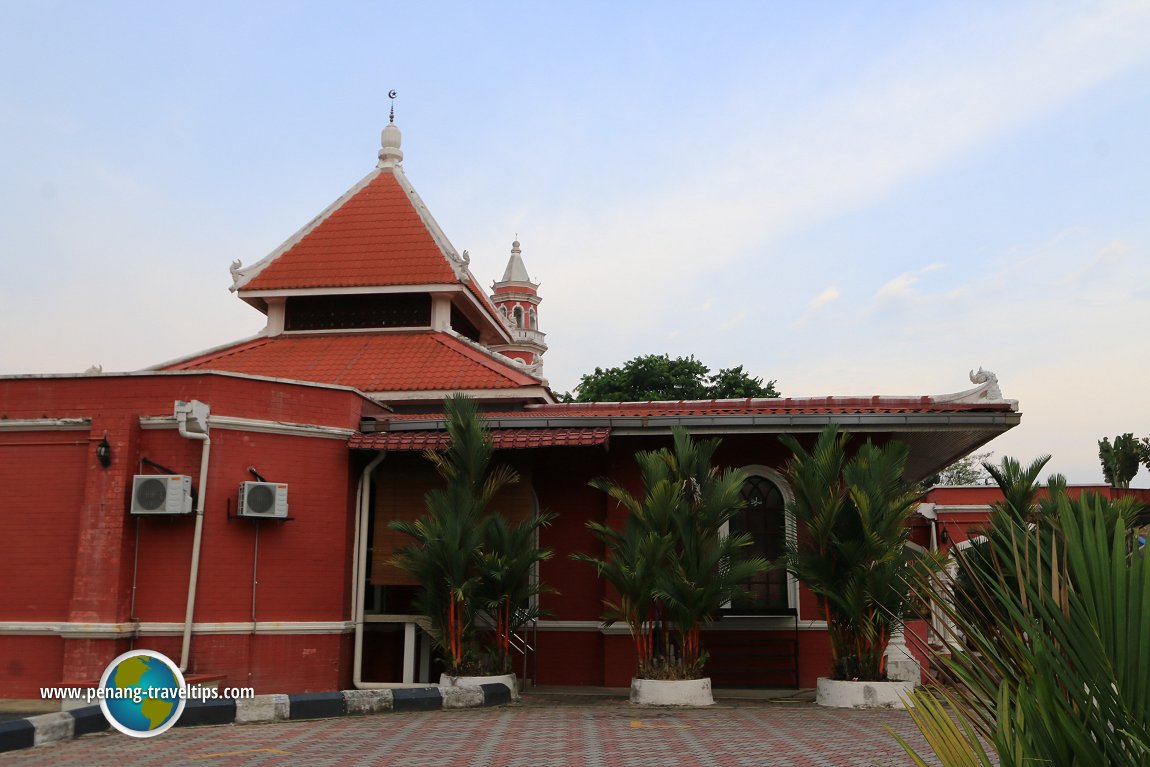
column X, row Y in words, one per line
column 378, row 234
column 373, row 236
column 373, row 249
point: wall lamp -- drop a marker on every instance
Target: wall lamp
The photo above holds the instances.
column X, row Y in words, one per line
column 104, row 452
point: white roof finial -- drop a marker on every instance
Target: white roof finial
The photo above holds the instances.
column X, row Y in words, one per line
column 390, row 154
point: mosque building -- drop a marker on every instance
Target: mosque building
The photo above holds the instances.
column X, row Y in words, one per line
column 230, row 507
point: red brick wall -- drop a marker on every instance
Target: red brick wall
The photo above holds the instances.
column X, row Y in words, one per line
column 70, row 543
column 29, row 662
column 41, row 489
column 560, row 477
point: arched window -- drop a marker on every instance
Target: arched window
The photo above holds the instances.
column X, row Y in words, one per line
column 765, row 519
column 517, row 312
column 503, row 311
column 531, row 318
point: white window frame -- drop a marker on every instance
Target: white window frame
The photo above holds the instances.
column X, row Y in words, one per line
column 778, row 480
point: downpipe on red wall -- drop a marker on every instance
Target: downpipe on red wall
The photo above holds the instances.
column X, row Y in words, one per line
column 196, row 430
column 359, row 572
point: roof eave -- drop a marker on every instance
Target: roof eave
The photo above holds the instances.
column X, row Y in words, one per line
column 772, row 423
column 536, row 394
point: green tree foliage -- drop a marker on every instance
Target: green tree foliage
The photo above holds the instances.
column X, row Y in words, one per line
column 658, row 377
column 1119, row 460
column 851, row 518
column 967, row 470
column 1055, row 626
column 469, row 561
column 670, row 564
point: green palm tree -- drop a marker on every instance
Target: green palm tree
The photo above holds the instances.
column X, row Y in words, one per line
column 508, row 590
column 851, row 520
column 708, row 569
column 1058, row 627
column 671, row 565
column 448, row 540
column 1019, row 486
column 634, row 558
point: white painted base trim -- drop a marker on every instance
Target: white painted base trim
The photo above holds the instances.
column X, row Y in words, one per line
column 45, row 424
column 684, row 692
column 474, row 681
column 255, row 425
column 834, row 693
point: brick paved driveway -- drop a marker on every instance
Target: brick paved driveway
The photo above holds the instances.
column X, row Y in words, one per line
column 578, row 734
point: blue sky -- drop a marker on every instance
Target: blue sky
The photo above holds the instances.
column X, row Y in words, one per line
column 848, row 199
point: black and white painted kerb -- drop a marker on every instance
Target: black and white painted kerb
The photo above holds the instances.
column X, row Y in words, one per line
column 49, row 728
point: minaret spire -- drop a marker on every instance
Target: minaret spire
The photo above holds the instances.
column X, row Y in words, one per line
column 517, row 299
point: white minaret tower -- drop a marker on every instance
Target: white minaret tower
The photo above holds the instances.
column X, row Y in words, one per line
column 517, row 299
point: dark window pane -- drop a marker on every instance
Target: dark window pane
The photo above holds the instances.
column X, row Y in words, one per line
column 463, row 326
column 395, row 310
column 764, row 517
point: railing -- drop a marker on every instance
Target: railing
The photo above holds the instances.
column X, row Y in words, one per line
column 525, row 649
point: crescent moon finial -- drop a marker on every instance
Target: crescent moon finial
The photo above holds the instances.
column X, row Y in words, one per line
column 391, row 94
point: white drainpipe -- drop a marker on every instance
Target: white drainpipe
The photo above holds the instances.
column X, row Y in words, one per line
column 359, row 572
column 192, row 419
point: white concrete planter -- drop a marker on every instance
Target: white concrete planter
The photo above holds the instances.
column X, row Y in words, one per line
column 838, row 694
column 475, row 681
column 684, row 692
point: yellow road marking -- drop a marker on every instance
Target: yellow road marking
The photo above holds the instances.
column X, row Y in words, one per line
column 240, row 753
column 637, row 723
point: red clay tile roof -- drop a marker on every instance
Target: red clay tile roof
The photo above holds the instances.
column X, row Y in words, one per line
column 785, row 406
column 376, row 237
column 483, row 299
column 370, row 362
column 501, row 439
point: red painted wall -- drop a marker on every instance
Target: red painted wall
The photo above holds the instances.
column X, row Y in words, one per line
column 77, row 544
column 70, row 547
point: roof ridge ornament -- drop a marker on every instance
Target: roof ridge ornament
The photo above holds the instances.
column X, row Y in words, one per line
column 390, row 154
column 986, row 392
column 989, row 383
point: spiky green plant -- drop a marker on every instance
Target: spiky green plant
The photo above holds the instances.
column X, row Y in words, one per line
column 631, row 565
column 1019, row 486
column 508, row 590
column 670, row 564
column 706, row 569
column 851, row 520
column 465, row 559
column 1056, row 622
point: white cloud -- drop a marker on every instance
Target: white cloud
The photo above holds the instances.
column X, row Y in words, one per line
column 901, row 287
column 828, row 295
column 895, row 125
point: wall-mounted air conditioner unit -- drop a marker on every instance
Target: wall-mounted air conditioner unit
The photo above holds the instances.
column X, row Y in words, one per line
column 268, row 500
column 161, row 494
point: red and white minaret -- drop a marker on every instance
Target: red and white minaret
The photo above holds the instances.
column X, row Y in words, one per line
column 517, row 299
